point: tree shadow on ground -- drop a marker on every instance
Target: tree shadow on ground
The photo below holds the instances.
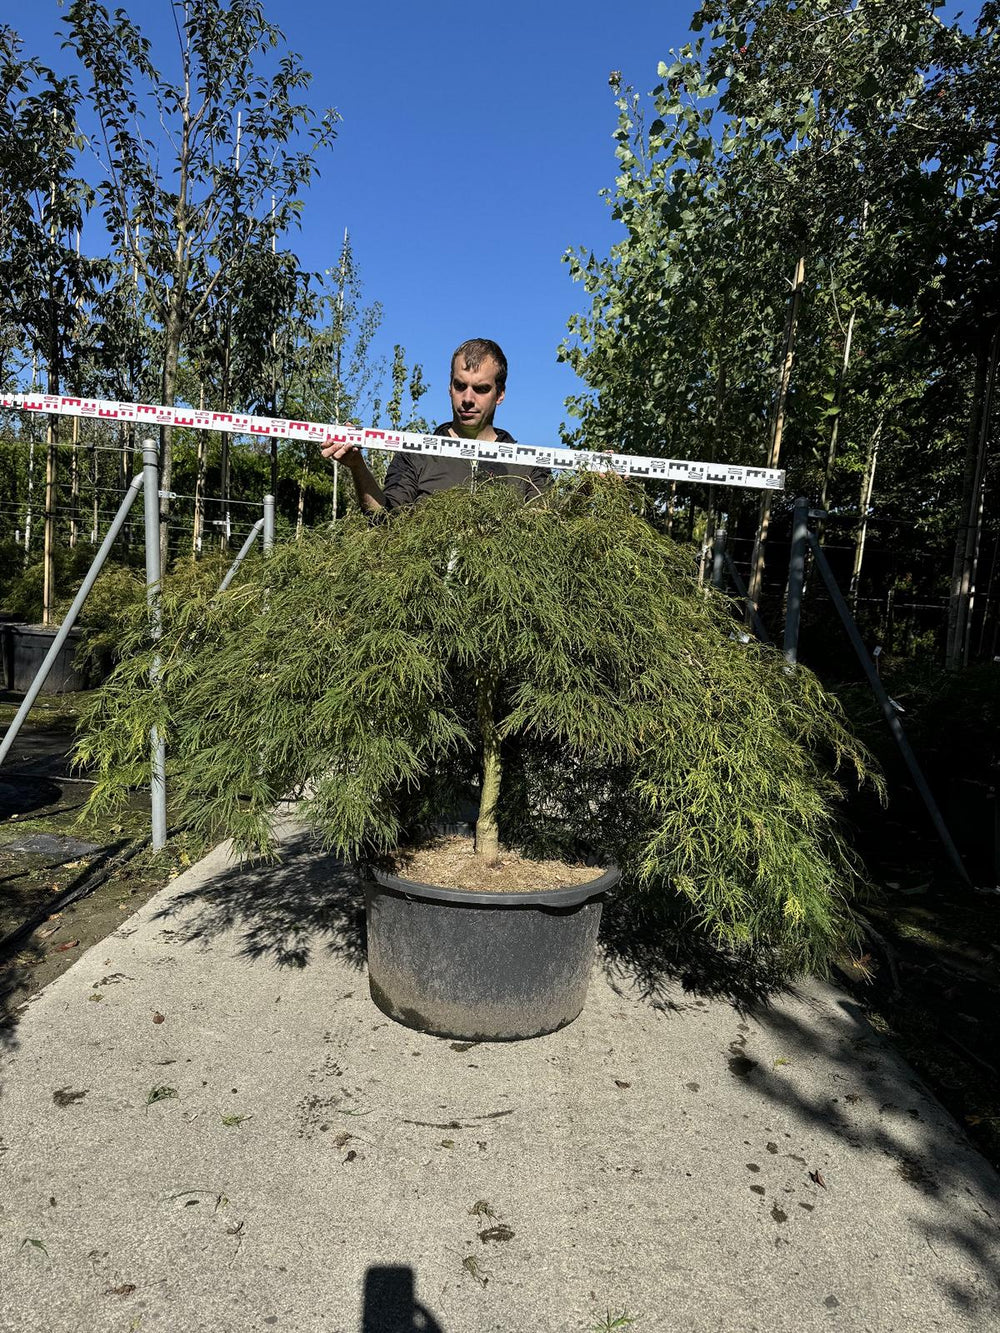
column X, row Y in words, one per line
column 656, row 945
column 860, row 1091
column 280, row 912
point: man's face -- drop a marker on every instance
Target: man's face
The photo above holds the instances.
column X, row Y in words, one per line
column 474, row 396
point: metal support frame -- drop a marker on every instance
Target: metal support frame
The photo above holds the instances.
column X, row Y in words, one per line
column 263, row 525
column 268, row 524
column 888, row 711
column 719, row 558
column 796, row 578
column 148, row 482
column 158, row 754
column 244, row 551
column 71, row 615
column 756, row 624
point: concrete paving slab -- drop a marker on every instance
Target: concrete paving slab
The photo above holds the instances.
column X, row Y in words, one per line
column 207, row 1125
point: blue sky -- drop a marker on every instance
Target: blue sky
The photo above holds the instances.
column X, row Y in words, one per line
column 473, row 145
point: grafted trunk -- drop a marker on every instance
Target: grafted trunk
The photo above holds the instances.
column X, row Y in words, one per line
column 487, row 834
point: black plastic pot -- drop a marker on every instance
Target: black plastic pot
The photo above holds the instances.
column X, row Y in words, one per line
column 25, row 648
column 481, row 966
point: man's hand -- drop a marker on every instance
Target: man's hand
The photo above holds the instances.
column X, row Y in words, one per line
column 369, row 492
column 348, row 454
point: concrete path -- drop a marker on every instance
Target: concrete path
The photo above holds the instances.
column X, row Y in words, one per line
column 207, row 1125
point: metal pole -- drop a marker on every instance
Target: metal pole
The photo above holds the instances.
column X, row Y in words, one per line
column 718, row 557
column 268, row 523
column 796, row 578
column 158, row 784
column 888, row 711
column 71, row 615
column 244, row 549
column 756, row 624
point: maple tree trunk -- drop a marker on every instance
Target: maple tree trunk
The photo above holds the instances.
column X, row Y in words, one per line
column 487, row 834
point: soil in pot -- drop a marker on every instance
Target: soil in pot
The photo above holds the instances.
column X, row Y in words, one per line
column 450, row 863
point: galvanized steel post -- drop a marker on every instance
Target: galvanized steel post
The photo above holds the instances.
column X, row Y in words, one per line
column 719, row 558
column 70, row 619
column 268, row 523
column 796, row 578
column 243, row 552
column 151, row 486
column 888, row 710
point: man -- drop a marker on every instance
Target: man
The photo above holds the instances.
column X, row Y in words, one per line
column 477, row 388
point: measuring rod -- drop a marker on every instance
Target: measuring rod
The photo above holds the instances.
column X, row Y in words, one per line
column 403, row 441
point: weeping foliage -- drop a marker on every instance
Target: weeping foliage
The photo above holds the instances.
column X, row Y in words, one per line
column 634, row 719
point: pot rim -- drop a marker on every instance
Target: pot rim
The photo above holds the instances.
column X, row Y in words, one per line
column 569, row 895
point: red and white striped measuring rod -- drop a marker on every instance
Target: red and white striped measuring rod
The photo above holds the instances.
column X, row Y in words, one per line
column 401, row 441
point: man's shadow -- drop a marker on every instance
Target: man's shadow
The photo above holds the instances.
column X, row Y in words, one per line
column 391, row 1305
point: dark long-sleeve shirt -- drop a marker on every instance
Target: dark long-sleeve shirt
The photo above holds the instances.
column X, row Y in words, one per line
column 412, row 477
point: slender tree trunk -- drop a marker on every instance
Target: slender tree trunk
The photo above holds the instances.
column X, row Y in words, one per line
column 968, row 535
column 52, row 435
column 990, row 605
column 93, row 491
column 671, row 502
column 199, row 484
column 27, row 512
column 300, row 513
column 31, row 470
column 838, row 398
column 867, row 485
column 777, row 429
column 974, row 541
column 487, row 834
column 173, row 330
column 74, row 486
column 831, row 453
column 49, row 547
column 707, row 540
column 224, row 439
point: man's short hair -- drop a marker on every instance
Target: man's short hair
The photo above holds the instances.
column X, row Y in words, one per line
column 474, row 352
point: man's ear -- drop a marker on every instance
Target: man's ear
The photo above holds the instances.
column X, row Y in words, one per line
column 500, row 396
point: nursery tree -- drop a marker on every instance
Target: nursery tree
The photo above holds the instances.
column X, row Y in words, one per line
column 182, row 205
column 44, row 276
column 554, row 660
column 768, row 196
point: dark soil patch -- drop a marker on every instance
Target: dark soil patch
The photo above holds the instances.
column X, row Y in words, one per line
column 64, row 885
column 930, row 979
